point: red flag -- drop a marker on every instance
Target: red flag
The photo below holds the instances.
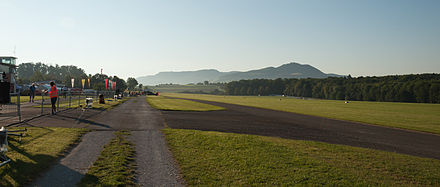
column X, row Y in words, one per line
column 106, row 82
column 114, row 85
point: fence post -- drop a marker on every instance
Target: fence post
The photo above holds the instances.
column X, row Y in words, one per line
column 58, row 102
column 42, row 102
column 18, row 107
column 70, row 98
column 79, row 98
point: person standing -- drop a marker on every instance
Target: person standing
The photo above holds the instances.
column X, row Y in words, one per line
column 53, row 94
column 32, row 93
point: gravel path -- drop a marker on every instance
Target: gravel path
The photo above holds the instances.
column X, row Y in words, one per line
column 155, row 164
column 74, row 166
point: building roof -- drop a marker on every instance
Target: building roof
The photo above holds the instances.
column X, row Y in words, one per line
column 8, row 57
column 11, row 62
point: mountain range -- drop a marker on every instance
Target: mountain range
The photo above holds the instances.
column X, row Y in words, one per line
column 290, row 70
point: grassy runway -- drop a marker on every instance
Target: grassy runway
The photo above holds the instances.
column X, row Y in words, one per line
column 413, row 116
column 164, row 103
column 185, row 88
column 226, row 159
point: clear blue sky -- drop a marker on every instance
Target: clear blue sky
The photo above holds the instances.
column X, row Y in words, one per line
column 140, row 37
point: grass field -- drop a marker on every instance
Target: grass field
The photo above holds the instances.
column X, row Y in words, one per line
column 414, row 116
column 164, row 103
column 25, row 99
column 226, row 159
column 36, row 152
column 114, row 167
column 185, row 88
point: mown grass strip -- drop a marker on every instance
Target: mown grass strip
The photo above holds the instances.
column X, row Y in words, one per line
column 109, row 104
column 24, row 98
column 165, row 103
column 36, row 152
column 114, row 167
column 413, row 116
column 226, row 159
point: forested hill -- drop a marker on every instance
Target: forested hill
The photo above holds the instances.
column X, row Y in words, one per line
column 290, row 70
column 182, row 77
column 421, row 88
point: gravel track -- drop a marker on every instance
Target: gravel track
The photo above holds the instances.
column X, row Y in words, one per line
column 155, row 164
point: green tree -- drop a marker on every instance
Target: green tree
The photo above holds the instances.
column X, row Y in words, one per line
column 131, row 83
column 121, row 85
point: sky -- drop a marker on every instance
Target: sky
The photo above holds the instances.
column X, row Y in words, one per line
column 135, row 38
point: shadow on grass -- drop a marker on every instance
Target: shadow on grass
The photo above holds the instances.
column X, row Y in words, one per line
column 25, row 124
column 26, row 165
column 19, row 172
column 59, row 175
column 90, row 180
column 79, row 120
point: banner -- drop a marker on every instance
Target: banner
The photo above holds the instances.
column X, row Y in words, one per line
column 83, row 81
column 111, row 85
column 106, row 82
column 89, row 83
column 114, row 85
column 73, row 83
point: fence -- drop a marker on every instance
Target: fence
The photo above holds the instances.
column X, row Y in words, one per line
column 22, row 108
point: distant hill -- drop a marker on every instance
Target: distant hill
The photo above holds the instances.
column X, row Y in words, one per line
column 181, row 77
column 290, row 70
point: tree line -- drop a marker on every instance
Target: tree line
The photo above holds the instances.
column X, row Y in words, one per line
column 28, row 73
column 420, row 88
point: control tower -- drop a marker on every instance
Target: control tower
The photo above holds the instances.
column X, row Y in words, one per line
column 8, row 73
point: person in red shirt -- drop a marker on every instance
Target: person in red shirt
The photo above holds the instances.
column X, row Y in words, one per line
column 53, row 94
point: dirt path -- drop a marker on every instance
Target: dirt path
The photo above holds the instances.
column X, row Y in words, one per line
column 155, row 164
column 250, row 120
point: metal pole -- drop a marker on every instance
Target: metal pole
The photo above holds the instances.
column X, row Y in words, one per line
column 42, row 103
column 58, row 102
column 18, row 107
column 70, row 98
column 79, row 98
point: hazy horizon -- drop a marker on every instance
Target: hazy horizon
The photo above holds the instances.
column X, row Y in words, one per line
column 138, row 38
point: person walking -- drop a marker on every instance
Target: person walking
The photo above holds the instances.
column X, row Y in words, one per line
column 32, row 93
column 53, row 94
